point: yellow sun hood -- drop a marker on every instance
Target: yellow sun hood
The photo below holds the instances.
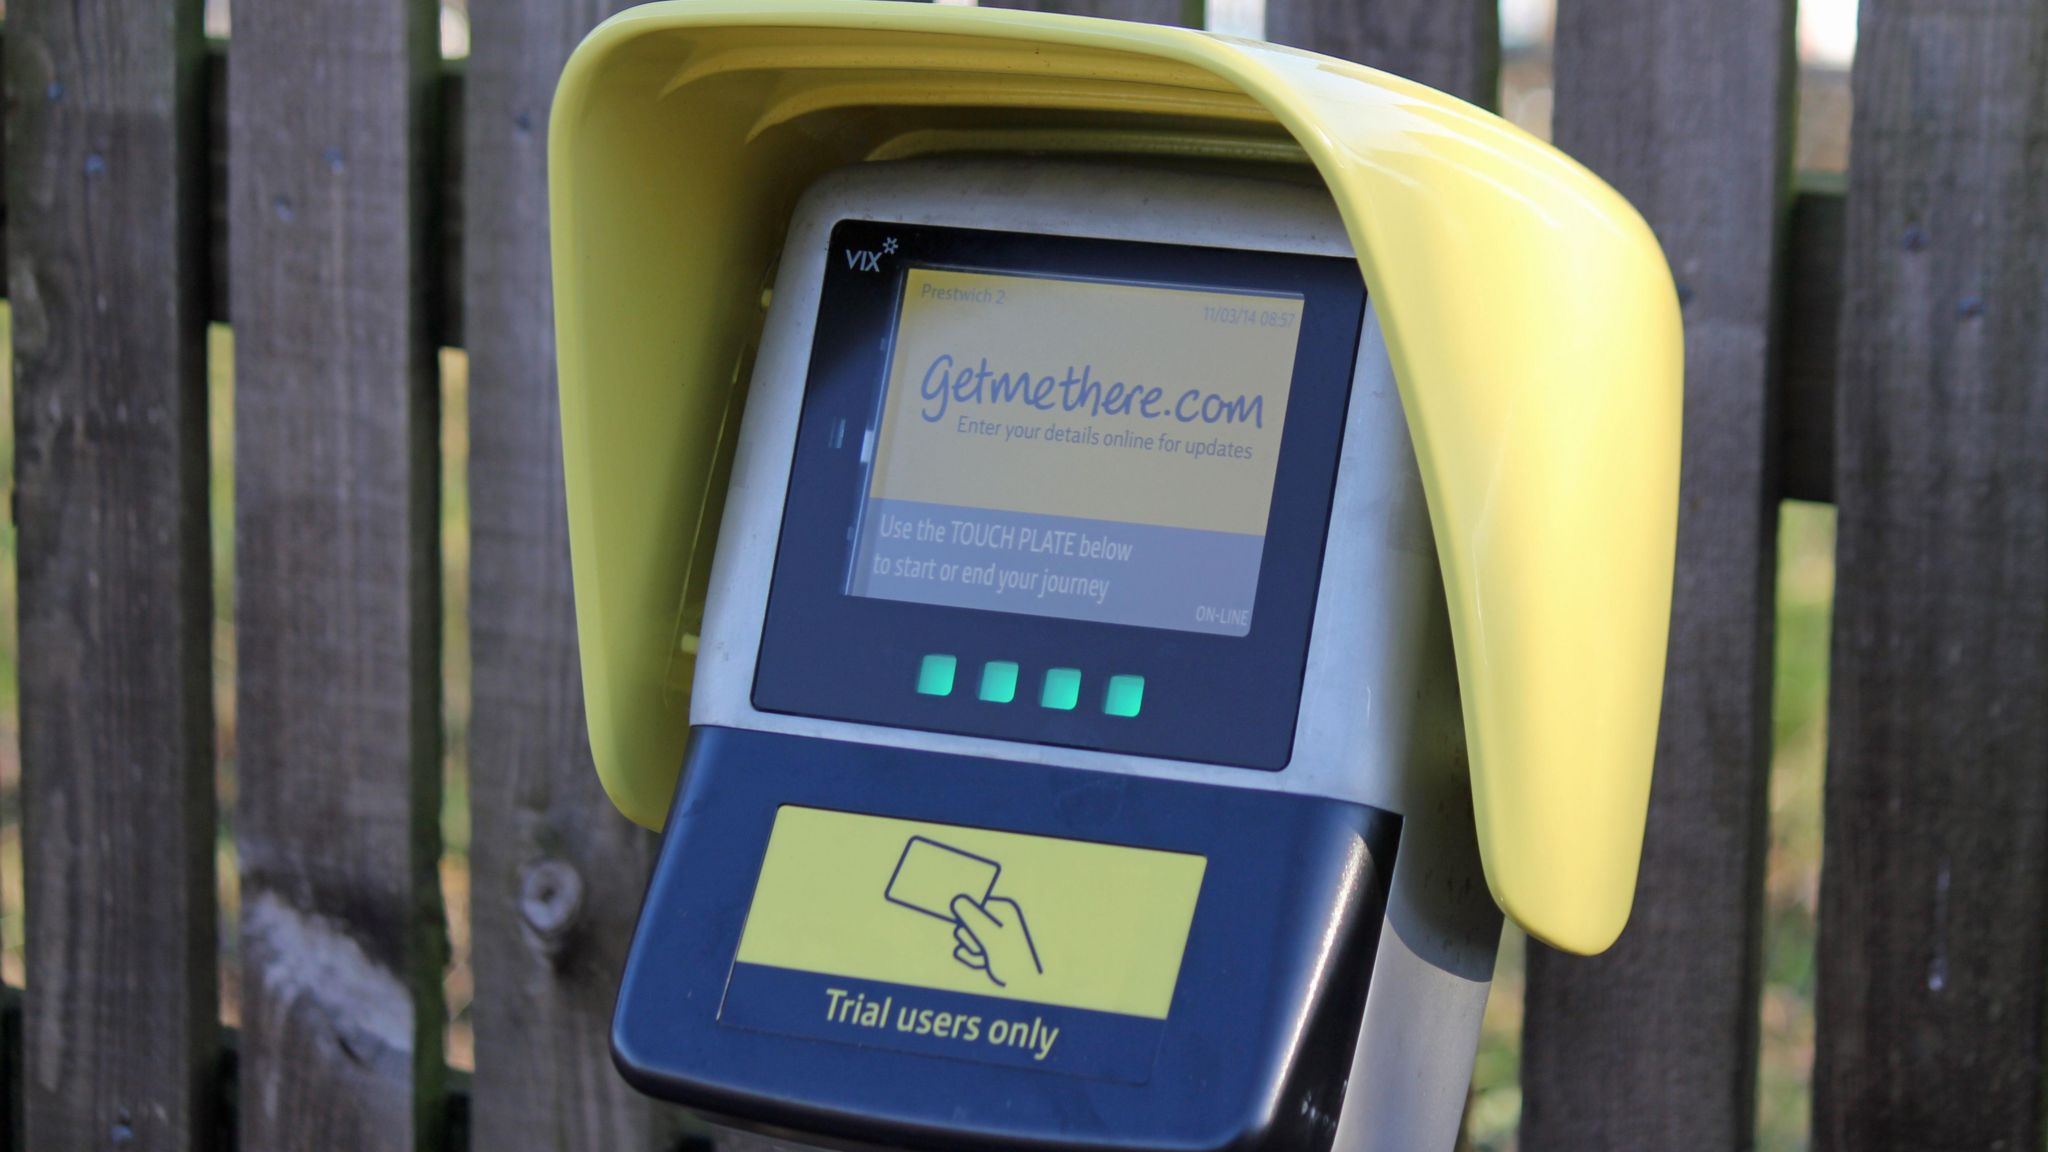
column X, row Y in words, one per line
column 1528, row 312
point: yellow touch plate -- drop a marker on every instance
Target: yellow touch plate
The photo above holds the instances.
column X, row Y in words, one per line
column 1528, row 312
column 1067, row 922
column 975, row 944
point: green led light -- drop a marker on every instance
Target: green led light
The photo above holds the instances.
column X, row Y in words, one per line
column 1125, row 696
column 999, row 681
column 1062, row 689
column 935, row 676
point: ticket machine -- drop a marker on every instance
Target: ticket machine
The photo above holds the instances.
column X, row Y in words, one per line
column 1111, row 554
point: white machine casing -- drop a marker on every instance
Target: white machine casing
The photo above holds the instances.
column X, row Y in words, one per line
column 1379, row 722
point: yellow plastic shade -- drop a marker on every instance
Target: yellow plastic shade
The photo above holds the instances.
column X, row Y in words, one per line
column 1528, row 313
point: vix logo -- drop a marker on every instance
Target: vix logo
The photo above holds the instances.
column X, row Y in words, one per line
column 870, row 260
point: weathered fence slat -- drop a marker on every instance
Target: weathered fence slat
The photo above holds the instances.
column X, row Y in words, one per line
column 1183, row 12
column 12, row 1121
column 5, row 195
column 1686, row 109
column 331, row 115
column 556, row 872
column 1451, row 45
column 1932, row 950
column 107, row 275
column 444, row 322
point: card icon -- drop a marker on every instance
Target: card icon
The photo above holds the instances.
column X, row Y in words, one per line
column 989, row 932
column 929, row 874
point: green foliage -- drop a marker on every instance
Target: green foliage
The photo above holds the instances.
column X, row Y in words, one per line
column 1806, row 593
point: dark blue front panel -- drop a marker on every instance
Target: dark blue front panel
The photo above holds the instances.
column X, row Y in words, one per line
column 1252, row 1052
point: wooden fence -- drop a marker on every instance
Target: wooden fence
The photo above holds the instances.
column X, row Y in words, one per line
column 351, row 205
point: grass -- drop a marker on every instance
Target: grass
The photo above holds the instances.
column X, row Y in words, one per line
column 1805, row 596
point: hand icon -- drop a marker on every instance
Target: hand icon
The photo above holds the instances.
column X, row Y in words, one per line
column 993, row 939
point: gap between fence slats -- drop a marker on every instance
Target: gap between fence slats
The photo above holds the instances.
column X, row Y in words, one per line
column 1810, row 308
column 331, row 131
column 107, row 272
column 1932, row 952
column 1687, row 110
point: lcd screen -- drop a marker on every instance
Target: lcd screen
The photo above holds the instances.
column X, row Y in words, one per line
column 1086, row 449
